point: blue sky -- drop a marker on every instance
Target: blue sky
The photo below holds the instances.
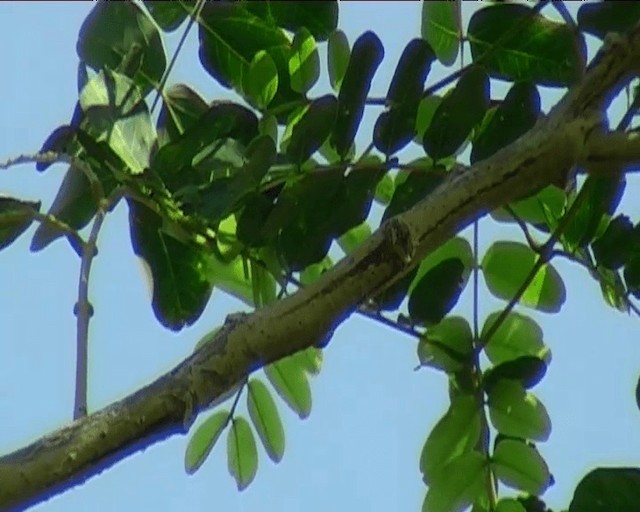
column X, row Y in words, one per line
column 359, row 449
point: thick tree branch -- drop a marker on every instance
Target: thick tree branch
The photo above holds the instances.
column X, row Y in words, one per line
column 247, row 342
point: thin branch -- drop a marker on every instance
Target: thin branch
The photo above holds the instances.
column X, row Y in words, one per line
column 564, row 13
column 535, row 246
column 83, row 309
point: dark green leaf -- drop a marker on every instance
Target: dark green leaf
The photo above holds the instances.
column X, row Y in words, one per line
column 304, row 63
column 520, row 466
column 290, row 381
column 607, row 490
column 456, row 433
column 426, row 110
column 437, row 292
column 602, row 195
column 601, row 18
column 260, row 82
column 459, row 112
column 266, row 419
column 516, row 114
column 15, row 218
column 203, row 440
column 509, row 505
column 181, row 109
column 448, row 494
column 440, row 27
column 618, row 243
column 319, row 17
column 514, row 412
column 169, row 15
column 506, row 266
column 242, row 454
column 632, row 276
column 180, row 272
column 528, row 370
column 312, row 129
column 338, row 54
column 366, row 56
column 395, row 128
column 119, row 36
column 514, row 43
column 447, row 346
column 414, row 188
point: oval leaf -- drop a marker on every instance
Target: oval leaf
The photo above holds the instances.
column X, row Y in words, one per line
column 304, row 63
column 242, row 455
column 203, row 440
column 290, row 381
column 607, row 489
column 515, row 43
column 441, row 28
column 601, row 18
column 528, row 370
column 456, row 433
column 312, row 128
column 518, row 336
column 338, row 54
column 514, row 412
column 260, row 83
column 15, row 218
column 447, row 346
column 266, row 419
column 519, row 465
column 506, row 266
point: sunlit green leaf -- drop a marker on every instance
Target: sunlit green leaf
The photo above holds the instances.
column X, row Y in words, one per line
column 266, row 419
column 304, row 63
column 518, row 336
column 514, row 412
column 203, row 440
column 456, row 433
column 506, row 266
column 519, row 465
column 440, row 27
column 447, row 345
column 290, row 381
column 354, row 237
column 260, row 83
column 338, row 54
column 509, row 505
column 242, row 454
column 536, row 209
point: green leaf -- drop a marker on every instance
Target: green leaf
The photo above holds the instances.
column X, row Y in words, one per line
column 618, row 243
column 260, row 83
column 536, row 209
column 232, row 279
column 116, row 113
column 514, row 412
column 632, row 276
column 516, row 114
column 440, row 27
column 514, row 43
column 312, row 272
column 338, row 54
column 290, row 381
column 519, row 465
column 395, row 127
column 15, row 218
column 506, row 266
column 601, row 18
column 528, row 370
column 242, row 454
column 319, row 17
column 385, row 190
column 414, row 188
column 203, row 440
column 448, row 494
column 447, row 345
column 181, row 109
column 169, row 15
column 437, row 292
column 455, row 434
column 180, row 271
column 601, row 196
column 312, row 128
column 366, row 56
column 355, row 237
column 509, row 505
column 460, row 111
column 304, row 63
column 606, row 490
column 310, row 359
column 119, row 36
column 426, row 110
column 266, row 419
column 454, row 248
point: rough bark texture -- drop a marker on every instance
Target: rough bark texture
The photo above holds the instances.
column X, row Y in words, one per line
column 572, row 134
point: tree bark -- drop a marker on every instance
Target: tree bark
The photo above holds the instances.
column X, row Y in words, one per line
column 573, row 134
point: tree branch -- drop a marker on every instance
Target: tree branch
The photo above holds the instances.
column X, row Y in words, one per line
column 248, row 341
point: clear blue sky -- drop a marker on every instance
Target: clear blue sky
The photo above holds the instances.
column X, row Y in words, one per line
column 371, row 412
